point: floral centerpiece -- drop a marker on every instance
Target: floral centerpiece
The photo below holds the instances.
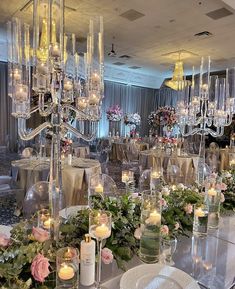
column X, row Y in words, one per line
column 228, row 178
column 164, row 116
column 114, row 113
column 132, row 119
column 27, row 259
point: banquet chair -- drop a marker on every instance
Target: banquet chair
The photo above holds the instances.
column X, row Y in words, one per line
column 173, row 173
column 40, row 172
column 213, row 157
column 37, row 198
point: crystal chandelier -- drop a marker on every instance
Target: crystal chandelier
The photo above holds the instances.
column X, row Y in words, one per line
column 48, row 65
column 205, row 108
column 178, row 81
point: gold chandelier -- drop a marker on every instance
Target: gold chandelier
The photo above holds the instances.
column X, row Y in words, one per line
column 178, row 81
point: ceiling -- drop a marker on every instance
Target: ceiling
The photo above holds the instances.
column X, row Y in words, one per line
column 165, row 26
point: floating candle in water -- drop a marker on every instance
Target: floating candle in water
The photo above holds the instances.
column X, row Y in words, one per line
column 199, row 212
column 102, row 231
column 154, row 218
column 66, row 272
column 212, row 192
column 99, row 189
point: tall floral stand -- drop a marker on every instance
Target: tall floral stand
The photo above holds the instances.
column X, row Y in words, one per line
column 114, row 127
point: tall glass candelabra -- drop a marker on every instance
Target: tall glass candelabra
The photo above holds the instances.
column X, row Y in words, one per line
column 51, row 70
column 205, row 108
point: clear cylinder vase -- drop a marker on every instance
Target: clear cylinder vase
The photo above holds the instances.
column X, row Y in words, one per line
column 150, row 227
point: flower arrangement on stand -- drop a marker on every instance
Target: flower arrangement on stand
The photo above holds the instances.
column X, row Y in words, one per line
column 114, row 113
column 228, row 191
column 163, row 117
column 132, row 120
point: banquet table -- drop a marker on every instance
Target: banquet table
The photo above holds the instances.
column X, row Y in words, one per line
column 225, row 158
column 210, row 259
column 124, row 151
column 75, row 177
column 187, row 164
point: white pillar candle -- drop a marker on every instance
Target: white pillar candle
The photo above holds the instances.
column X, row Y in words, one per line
column 102, row 231
column 55, row 51
column 66, row 272
column 125, row 178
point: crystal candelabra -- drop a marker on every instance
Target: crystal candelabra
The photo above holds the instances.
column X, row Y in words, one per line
column 205, row 108
column 51, row 68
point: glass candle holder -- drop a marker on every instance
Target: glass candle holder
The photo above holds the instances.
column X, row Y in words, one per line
column 155, row 179
column 150, row 227
column 168, row 248
column 213, row 195
column 96, row 187
column 200, row 221
column 100, row 223
column 67, row 268
column 44, row 219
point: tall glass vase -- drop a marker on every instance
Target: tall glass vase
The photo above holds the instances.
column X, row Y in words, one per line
column 150, row 227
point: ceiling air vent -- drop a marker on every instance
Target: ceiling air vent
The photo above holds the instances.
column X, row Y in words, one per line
column 134, row 67
column 203, row 34
column 119, row 63
column 132, row 15
column 219, row 13
column 125, row 56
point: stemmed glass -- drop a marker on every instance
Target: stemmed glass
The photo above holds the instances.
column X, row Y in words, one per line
column 100, row 223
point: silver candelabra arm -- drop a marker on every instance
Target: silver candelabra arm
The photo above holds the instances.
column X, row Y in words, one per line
column 76, row 132
column 24, row 135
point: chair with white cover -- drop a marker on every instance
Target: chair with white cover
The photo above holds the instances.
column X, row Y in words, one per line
column 37, row 198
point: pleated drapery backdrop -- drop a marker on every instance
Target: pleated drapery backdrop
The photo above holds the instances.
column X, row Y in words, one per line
column 131, row 99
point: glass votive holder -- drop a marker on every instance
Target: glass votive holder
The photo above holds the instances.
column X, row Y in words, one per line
column 67, row 268
column 125, row 177
column 155, row 179
column 200, row 222
column 44, row 219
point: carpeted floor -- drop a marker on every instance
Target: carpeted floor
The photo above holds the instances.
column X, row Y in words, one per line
column 8, row 203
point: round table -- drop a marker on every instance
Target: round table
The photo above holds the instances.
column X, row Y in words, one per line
column 75, row 178
column 127, row 151
column 187, row 164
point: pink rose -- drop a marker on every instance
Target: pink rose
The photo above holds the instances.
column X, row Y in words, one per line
column 106, row 256
column 188, row 209
column 222, row 198
column 40, row 235
column 4, row 240
column 163, row 202
column 221, row 186
column 137, row 233
column 40, row 268
column 177, row 225
column 165, row 230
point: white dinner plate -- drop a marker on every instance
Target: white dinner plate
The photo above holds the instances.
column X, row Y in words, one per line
column 157, row 276
column 71, row 211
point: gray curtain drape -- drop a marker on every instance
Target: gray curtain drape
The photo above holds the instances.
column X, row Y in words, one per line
column 8, row 124
column 131, row 99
